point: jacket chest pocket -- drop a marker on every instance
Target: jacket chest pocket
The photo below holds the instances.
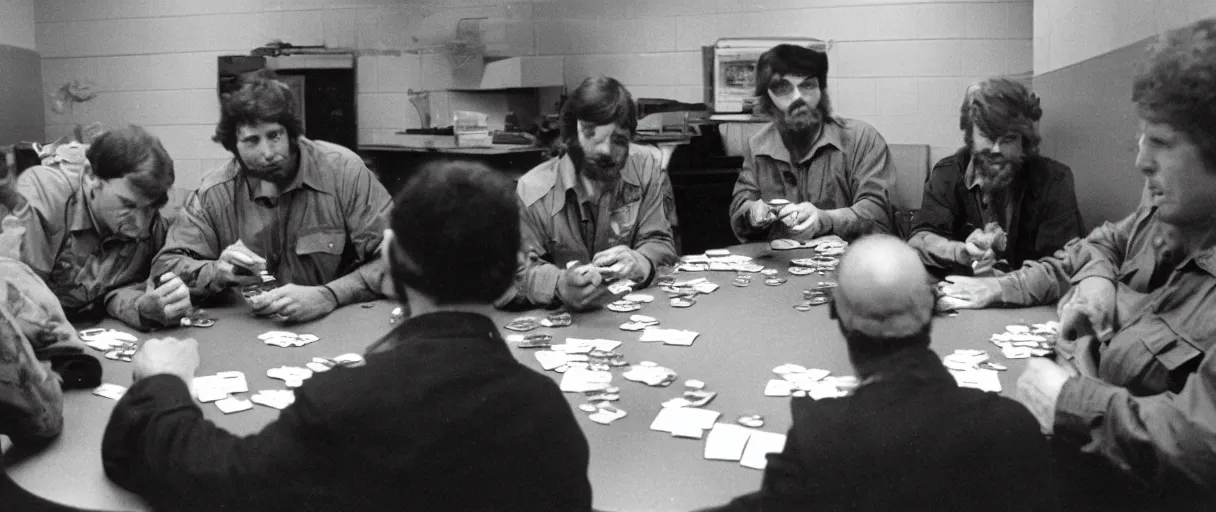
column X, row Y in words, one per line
column 622, row 223
column 323, row 251
column 1157, row 358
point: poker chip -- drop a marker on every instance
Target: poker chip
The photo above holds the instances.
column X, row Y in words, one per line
column 523, row 324
column 694, row 384
column 801, row 271
column 769, row 271
column 633, row 326
column 804, row 306
column 751, row 420
column 774, row 281
column 588, row 407
column 741, row 283
column 643, row 319
column 624, row 306
column 777, row 203
column 562, row 319
column 639, row 298
column 682, row 302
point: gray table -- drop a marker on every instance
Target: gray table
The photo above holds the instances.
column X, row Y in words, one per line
column 745, row 332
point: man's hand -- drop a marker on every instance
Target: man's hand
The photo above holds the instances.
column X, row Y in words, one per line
column 760, row 214
column 1039, row 390
column 165, row 304
column 624, row 262
column 169, row 355
column 579, row 288
column 237, row 256
column 1089, row 308
column 295, row 303
column 960, row 292
column 803, row 218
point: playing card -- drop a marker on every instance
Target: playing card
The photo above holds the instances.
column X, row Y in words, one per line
column 760, row 444
column 111, row 391
column 705, row 287
column 726, row 442
column 233, row 382
column 276, row 398
column 317, row 367
column 986, row 380
column 550, row 360
column 778, row 388
column 581, row 380
column 682, row 418
column 687, row 432
column 281, row 341
column 606, row 416
column 230, row 405
column 276, row 334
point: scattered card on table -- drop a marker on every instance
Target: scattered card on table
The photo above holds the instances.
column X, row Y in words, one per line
column 777, row 387
column 682, row 418
column 111, row 391
column 759, row 445
column 582, row 380
column 726, row 442
column 230, row 405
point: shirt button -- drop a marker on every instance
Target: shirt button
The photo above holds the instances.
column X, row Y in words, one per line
column 1158, row 242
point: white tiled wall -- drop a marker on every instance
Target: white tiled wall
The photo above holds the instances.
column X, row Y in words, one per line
column 1070, row 31
column 901, row 65
column 16, row 23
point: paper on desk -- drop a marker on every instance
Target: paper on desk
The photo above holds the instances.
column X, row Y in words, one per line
column 986, row 380
column 581, row 380
column 683, row 418
column 759, row 445
column 726, row 441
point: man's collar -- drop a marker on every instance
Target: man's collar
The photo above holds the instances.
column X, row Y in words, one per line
column 452, row 325
column 308, row 175
column 969, row 174
column 916, row 363
column 772, row 145
column 567, row 179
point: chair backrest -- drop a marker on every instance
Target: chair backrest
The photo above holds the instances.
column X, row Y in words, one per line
column 911, row 173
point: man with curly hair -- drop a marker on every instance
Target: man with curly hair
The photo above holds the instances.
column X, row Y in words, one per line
column 1131, row 399
column 307, row 212
column 996, row 202
column 831, row 175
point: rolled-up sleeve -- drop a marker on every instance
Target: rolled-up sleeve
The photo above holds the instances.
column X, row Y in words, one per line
column 366, row 206
column 191, row 250
column 747, row 188
column 1100, row 254
column 1156, row 438
column 872, row 177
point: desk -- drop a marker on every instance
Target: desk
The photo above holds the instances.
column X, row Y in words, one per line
column 745, row 332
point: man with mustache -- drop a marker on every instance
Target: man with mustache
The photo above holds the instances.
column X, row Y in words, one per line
column 595, row 214
column 1131, row 397
column 997, row 180
column 90, row 230
column 831, row 174
column 308, row 212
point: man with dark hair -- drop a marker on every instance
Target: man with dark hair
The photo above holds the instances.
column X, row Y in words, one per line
column 307, row 212
column 596, row 213
column 407, row 431
column 996, row 202
column 1131, row 397
column 832, row 174
column 91, row 234
column 909, row 438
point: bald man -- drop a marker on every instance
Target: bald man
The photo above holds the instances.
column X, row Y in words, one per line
column 908, row 438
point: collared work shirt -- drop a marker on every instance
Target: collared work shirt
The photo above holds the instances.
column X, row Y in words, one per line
column 558, row 225
column 321, row 228
column 1039, row 212
column 847, row 173
column 1151, row 408
column 87, row 268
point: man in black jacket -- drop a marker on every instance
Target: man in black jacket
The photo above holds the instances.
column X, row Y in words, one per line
column 442, row 416
column 998, row 180
column 908, row 438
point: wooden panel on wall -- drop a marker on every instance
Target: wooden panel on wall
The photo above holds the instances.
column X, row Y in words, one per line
column 1089, row 123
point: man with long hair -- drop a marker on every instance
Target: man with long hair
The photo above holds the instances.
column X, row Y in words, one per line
column 832, row 174
column 1131, row 397
column 595, row 214
column 996, row 202
column 307, row 212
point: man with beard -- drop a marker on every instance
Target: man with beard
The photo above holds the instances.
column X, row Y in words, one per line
column 596, row 213
column 307, row 212
column 830, row 174
column 1131, row 397
column 998, row 183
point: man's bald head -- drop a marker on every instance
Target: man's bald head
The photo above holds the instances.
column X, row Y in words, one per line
column 884, row 291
